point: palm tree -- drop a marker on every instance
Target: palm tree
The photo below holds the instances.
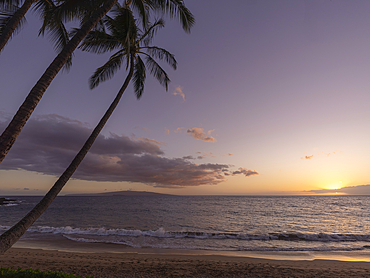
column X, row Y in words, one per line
column 12, row 17
column 171, row 7
column 54, row 13
column 131, row 44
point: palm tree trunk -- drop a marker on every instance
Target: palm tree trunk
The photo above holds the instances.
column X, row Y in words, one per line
column 13, row 22
column 24, row 112
column 11, row 236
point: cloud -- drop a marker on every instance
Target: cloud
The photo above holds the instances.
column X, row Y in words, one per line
column 143, row 128
column 204, row 155
column 148, row 140
column 166, row 131
column 354, row 190
column 48, row 143
column 178, row 91
column 245, row 172
column 307, row 157
column 179, row 129
column 199, row 134
column 229, row 154
column 188, row 157
column 328, row 154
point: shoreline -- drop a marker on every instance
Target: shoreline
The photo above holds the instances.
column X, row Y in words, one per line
column 66, row 245
column 132, row 264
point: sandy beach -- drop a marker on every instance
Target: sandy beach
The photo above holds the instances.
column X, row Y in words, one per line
column 169, row 265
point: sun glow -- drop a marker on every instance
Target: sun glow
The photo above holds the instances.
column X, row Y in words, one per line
column 336, row 186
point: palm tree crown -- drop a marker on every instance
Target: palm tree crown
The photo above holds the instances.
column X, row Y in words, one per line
column 121, row 34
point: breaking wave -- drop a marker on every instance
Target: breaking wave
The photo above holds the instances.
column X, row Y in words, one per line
column 6, row 202
column 162, row 233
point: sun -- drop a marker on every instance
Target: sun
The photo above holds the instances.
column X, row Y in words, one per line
column 337, row 185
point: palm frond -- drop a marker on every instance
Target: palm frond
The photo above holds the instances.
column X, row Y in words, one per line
column 5, row 15
column 162, row 54
column 100, row 26
column 177, row 8
column 68, row 10
column 48, row 11
column 142, row 8
column 6, row 4
column 139, row 77
column 118, row 32
column 107, row 71
column 85, row 9
column 157, row 72
column 148, row 35
column 98, row 42
column 59, row 36
column 45, row 11
column 58, row 33
column 123, row 27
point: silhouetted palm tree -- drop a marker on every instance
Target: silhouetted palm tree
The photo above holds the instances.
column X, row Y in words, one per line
column 12, row 16
column 171, row 7
column 53, row 13
column 132, row 44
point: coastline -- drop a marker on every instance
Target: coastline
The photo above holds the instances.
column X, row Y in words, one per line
column 110, row 260
column 113, row 264
column 60, row 243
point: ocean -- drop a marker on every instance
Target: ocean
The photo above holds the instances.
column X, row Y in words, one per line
column 238, row 224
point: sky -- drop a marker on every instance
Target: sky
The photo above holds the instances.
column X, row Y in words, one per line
column 269, row 98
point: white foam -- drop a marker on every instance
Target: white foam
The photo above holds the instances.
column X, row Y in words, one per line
column 162, row 233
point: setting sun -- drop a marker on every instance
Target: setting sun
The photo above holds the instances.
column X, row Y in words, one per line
column 337, row 185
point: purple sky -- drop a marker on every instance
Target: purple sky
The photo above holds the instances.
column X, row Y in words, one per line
column 270, row 97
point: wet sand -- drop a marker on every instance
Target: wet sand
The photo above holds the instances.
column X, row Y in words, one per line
column 176, row 265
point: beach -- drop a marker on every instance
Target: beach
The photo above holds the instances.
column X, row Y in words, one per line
column 107, row 264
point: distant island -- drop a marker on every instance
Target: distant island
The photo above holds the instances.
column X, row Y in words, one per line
column 122, row 193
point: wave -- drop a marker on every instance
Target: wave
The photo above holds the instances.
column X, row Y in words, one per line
column 217, row 248
column 6, row 202
column 162, row 233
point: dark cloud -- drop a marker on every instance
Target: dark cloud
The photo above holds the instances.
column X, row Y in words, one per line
column 354, row 190
column 188, row 157
column 48, row 144
column 245, row 172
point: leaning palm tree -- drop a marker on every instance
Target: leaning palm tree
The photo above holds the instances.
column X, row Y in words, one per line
column 53, row 13
column 171, row 7
column 132, row 44
column 12, row 18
